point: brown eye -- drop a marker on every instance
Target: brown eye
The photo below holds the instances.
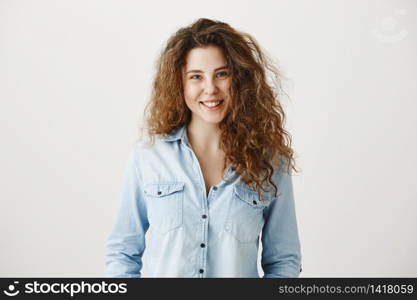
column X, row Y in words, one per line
column 222, row 74
column 195, row 77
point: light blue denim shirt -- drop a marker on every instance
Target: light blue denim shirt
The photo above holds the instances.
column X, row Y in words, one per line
column 190, row 234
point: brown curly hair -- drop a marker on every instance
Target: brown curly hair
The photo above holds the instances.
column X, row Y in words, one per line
column 252, row 134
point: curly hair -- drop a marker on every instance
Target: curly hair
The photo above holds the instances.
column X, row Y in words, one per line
column 252, row 134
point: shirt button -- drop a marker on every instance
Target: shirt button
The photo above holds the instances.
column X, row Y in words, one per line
column 254, row 202
column 159, row 193
column 204, row 216
column 201, row 271
column 215, row 188
column 203, row 245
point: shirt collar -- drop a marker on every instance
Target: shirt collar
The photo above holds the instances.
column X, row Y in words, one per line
column 180, row 133
column 175, row 134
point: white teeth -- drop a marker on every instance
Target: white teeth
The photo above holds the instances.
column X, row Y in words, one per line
column 211, row 104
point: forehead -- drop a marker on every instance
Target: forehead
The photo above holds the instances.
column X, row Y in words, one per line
column 205, row 58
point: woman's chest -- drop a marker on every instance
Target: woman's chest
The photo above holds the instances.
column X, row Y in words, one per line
column 231, row 211
column 212, row 171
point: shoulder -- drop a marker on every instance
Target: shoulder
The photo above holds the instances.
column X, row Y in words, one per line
column 282, row 174
column 281, row 167
column 160, row 142
column 147, row 144
column 158, row 148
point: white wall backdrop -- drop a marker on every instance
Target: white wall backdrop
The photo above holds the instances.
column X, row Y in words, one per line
column 74, row 79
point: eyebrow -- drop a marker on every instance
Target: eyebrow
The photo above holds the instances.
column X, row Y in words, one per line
column 199, row 71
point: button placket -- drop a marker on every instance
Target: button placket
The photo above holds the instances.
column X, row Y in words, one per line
column 228, row 226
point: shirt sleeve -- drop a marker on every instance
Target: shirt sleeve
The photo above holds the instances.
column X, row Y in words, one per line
column 281, row 254
column 126, row 243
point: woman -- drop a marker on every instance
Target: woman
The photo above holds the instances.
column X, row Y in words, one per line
column 216, row 171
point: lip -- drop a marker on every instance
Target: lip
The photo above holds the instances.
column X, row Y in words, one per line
column 211, row 101
column 215, row 100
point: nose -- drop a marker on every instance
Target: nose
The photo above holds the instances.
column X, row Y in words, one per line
column 210, row 87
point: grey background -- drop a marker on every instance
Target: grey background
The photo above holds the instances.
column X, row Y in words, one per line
column 74, row 79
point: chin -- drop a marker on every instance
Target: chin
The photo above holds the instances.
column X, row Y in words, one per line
column 212, row 120
column 205, row 118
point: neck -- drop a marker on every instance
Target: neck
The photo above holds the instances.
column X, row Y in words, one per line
column 204, row 136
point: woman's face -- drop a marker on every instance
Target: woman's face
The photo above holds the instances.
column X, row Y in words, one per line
column 206, row 81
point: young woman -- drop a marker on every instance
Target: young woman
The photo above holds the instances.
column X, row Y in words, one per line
column 215, row 173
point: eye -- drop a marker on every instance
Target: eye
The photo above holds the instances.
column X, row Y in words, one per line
column 222, row 74
column 196, row 76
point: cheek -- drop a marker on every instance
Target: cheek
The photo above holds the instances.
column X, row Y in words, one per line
column 189, row 103
column 190, row 96
column 191, row 91
column 225, row 86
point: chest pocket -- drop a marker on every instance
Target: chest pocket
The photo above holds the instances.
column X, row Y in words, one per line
column 245, row 217
column 165, row 205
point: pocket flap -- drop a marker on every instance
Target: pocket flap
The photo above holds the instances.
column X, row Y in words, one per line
column 250, row 196
column 162, row 189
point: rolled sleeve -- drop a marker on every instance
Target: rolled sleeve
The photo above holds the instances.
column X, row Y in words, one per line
column 126, row 243
column 281, row 254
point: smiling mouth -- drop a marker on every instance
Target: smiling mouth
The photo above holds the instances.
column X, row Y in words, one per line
column 211, row 104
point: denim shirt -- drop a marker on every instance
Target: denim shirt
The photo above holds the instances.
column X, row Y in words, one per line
column 167, row 222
